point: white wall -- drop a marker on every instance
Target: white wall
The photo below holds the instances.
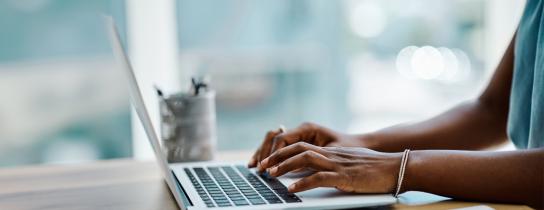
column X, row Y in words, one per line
column 153, row 48
column 501, row 21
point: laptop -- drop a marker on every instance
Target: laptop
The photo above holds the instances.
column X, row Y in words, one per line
column 230, row 185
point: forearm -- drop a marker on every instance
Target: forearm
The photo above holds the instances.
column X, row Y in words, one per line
column 513, row 176
column 467, row 126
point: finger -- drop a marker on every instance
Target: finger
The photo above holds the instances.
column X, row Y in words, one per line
column 307, row 159
column 287, row 152
column 264, row 149
column 284, row 138
column 253, row 161
column 319, row 179
column 277, row 144
column 300, row 133
column 306, row 132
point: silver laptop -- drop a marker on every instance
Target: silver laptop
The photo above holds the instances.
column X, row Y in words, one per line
column 230, row 185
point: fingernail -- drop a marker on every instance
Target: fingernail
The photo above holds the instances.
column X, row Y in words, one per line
column 273, row 171
column 264, row 162
column 291, row 187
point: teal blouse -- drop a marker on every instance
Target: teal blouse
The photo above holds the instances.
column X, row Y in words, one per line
column 526, row 114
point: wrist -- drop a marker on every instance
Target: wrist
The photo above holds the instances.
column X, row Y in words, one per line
column 394, row 171
column 368, row 140
column 410, row 173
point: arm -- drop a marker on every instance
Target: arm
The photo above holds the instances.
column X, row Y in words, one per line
column 512, row 177
column 509, row 177
column 474, row 125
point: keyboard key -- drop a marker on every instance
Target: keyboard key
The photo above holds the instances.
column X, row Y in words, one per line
column 223, row 204
column 237, row 198
column 221, row 200
column 253, row 196
column 279, row 188
column 250, row 194
column 237, row 186
column 247, row 190
column 271, row 197
column 241, row 203
column 257, row 201
column 291, row 199
column 272, row 201
column 243, row 169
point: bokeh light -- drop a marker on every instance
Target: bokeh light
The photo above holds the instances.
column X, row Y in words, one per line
column 367, row 19
column 431, row 63
column 403, row 61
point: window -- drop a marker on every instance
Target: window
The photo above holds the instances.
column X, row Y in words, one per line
column 61, row 101
column 352, row 65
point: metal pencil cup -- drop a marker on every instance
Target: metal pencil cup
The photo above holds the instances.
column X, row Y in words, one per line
column 188, row 127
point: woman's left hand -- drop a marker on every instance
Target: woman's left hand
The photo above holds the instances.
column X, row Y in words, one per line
column 348, row 169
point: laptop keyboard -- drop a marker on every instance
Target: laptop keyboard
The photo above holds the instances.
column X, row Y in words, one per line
column 237, row 186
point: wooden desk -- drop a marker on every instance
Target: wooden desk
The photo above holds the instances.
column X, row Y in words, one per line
column 130, row 184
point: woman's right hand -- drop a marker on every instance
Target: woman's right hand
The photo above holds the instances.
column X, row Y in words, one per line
column 306, row 132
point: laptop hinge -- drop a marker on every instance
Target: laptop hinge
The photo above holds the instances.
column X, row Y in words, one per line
column 185, row 198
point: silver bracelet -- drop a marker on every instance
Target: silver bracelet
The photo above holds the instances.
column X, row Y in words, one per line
column 401, row 171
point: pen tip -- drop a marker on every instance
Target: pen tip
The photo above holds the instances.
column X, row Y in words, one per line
column 159, row 91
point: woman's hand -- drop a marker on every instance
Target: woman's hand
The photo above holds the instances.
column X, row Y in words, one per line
column 307, row 132
column 347, row 169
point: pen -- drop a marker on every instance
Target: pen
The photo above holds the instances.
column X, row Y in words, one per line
column 161, row 96
column 197, row 85
column 282, row 129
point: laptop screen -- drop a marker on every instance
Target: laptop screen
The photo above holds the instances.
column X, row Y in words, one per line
column 139, row 105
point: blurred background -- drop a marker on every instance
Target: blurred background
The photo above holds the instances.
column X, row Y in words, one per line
column 352, row 65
